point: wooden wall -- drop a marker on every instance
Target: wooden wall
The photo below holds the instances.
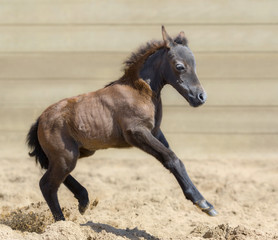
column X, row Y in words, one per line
column 55, row 49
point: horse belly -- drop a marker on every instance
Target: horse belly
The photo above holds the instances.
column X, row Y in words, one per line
column 97, row 129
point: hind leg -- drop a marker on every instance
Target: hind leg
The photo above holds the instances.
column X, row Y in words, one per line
column 49, row 185
column 80, row 193
column 61, row 162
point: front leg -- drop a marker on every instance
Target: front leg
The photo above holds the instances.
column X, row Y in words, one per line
column 142, row 138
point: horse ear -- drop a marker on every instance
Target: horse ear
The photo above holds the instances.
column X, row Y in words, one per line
column 181, row 39
column 182, row 35
column 166, row 38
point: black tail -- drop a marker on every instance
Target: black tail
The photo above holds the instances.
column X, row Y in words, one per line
column 35, row 147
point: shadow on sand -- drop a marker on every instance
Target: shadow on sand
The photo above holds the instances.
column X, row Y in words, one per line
column 132, row 234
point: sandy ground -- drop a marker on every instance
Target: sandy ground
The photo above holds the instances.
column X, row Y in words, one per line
column 136, row 198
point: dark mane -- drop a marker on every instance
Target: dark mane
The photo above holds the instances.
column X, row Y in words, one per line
column 136, row 60
column 133, row 63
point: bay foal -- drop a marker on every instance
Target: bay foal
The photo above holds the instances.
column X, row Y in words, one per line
column 125, row 113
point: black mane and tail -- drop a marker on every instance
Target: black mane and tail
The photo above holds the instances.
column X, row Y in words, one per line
column 35, row 147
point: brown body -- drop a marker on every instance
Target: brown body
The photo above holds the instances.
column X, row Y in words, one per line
column 125, row 113
column 98, row 120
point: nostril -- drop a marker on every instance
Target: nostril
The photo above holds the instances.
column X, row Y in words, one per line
column 202, row 97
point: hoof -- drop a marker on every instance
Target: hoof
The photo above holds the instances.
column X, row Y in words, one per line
column 59, row 218
column 82, row 208
column 211, row 212
column 207, row 208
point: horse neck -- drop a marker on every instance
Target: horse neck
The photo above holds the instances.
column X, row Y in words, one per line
column 151, row 71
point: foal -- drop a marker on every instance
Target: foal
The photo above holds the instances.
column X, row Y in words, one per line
column 125, row 113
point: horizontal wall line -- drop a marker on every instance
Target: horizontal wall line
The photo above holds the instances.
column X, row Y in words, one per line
column 128, row 52
column 105, row 24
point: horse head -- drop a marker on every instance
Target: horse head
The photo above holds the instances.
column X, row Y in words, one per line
column 180, row 69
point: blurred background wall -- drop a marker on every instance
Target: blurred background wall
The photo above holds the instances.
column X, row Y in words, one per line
column 52, row 49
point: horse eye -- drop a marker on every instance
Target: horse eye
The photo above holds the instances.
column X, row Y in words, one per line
column 180, row 67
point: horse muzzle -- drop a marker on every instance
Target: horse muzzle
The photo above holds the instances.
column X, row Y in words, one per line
column 198, row 99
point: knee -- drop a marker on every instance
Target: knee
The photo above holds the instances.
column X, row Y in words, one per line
column 172, row 164
column 48, row 184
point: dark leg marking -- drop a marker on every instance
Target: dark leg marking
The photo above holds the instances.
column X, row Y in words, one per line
column 49, row 187
column 143, row 139
column 80, row 193
column 160, row 136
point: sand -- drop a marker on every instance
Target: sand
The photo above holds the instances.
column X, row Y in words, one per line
column 136, row 198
